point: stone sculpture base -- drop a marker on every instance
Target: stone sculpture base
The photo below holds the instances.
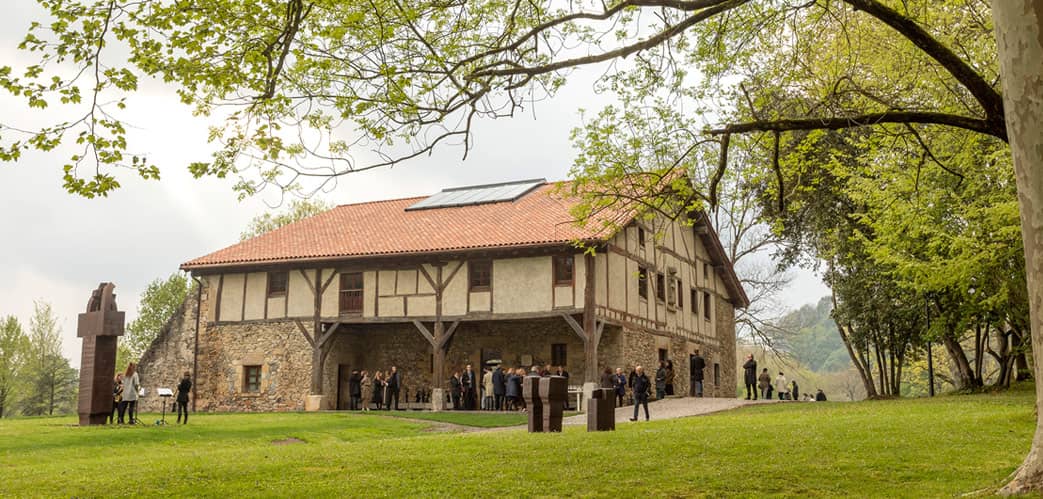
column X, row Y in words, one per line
column 314, row 403
column 601, row 410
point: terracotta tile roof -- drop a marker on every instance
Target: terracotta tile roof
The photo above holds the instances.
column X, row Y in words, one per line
column 386, row 228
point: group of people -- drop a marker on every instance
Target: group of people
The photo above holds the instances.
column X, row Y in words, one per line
column 380, row 390
column 126, row 387
column 500, row 387
column 786, row 390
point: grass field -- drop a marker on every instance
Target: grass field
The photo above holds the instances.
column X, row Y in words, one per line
column 905, row 448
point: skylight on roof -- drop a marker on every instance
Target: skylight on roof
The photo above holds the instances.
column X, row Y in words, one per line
column 478, row 194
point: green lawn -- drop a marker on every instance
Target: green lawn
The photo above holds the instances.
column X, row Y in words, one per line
column 905, row 448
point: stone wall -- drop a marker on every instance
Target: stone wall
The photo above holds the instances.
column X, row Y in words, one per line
column 726, row 336
column 169, row 356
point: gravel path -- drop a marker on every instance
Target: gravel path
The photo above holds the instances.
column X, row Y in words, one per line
column 673, row 408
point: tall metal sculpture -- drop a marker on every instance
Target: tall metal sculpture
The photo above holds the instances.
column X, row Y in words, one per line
column 545, row 402
column 99, row 327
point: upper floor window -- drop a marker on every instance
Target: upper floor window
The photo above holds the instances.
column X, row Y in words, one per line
column 641, row 237
column 706, row 272
column 563, row 270
column 642, row 282
column 660, row 286
column 671, row 290
column 706, row 304
column 694, row 300
column 480, row 275
column 351, row 293
column 680, row 294
column 277, row 282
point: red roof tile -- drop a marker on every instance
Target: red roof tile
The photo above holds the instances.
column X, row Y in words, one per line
column 386, row 228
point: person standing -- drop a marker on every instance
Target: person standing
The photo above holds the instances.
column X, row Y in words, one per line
column 794, row 390
column 354, row 391
column 641, row 389
column 394, row 384
column 669, row 380
column 782, row 386
column 698, row 365
column 131, row 385
column 620, row 384
column 607, row 379
column 513, row 389
column 749, row 376
column 660, row 382
column 499, row 388
column 764, row 382
column 379, row 384
column 366, row 390
column 183, row 388
column 455, row 389
column 117, row 397
column 469, row 382
column 487, row 390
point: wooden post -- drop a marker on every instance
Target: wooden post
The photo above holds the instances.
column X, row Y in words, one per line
column 316, row 350
column 590, row 329
column 438, row 350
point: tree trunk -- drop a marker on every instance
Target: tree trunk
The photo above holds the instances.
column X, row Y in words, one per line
column 1020, row 41
column 1021, row 362
column 963, row 373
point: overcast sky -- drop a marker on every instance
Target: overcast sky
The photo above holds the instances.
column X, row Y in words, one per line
column 59, row 246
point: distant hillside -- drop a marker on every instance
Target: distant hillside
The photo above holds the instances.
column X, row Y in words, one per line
column 810, row 335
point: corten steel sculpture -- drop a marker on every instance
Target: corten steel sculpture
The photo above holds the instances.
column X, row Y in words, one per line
column 99, row 327
column 545, row 402
column 533, row 404
column 601, row 410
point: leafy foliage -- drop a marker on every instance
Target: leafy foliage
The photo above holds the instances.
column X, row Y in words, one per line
column 161, row 300
column 299, row 209
column 51, row 383
column 13, row 346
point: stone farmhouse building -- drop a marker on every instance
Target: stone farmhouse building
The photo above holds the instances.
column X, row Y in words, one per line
column 430, row 284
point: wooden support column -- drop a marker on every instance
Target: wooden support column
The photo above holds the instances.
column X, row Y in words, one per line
column 319, row 338
column 439, row 336
column 591, row 331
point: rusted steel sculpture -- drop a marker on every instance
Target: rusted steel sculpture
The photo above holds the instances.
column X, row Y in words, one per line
column 545, row 402
column 601, row 410
column 99, row 327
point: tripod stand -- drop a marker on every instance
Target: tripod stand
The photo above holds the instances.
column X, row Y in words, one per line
column 163, row 418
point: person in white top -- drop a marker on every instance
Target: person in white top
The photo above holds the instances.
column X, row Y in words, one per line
column 131, row 385
column 781, row 386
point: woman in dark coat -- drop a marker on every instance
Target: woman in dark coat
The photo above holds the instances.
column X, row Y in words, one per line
column 183, row 388
column 378, row 389
column 607, row 379
column 669, row 377
column 513, row 390
column 456, row 389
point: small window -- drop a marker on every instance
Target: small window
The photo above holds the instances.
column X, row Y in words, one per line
column 277, row 283
column 680, row 294
column 351, row 293
column 660, row 286
column 706, row 272
column 671, row 291
column 641, row 237
column 563, row 267
column 642, row 282
column 662, row 355
column 716, row 373
column 252, row 379
column 706, row 305
column 480, row 275
column 559, row 354
column 694, row 300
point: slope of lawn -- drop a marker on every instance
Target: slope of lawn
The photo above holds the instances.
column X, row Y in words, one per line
column 903, row 448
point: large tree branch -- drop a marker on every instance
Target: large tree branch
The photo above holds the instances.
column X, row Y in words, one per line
column 991, row 101
column 869, row 119
column 675, row 30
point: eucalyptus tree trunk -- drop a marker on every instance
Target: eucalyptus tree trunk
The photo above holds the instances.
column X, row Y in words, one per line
column 1020, row 40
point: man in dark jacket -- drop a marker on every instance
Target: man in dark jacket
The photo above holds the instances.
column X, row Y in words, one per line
column 355, row 391
column 641, row 388
column 499, row 388
column 470, row 388
column 749, row 376
column 698, row 364
column 819, row 396
column 394, row 385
